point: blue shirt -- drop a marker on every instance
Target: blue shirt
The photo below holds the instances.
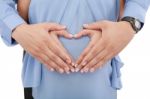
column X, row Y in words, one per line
column 73, row 14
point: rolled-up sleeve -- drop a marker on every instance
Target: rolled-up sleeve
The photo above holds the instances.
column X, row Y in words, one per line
column 9, row 20
column 136, row 9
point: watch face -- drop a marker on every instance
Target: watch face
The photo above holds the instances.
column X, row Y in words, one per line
column 137, row 24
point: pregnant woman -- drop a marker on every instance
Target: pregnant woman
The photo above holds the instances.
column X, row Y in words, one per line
column 71, row 46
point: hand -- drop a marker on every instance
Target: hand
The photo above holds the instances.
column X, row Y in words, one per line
column 38, row 40
column 59, row 49
column 95, row 35
column 113, row 39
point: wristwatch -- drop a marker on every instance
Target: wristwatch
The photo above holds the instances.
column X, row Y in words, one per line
column 135, row 23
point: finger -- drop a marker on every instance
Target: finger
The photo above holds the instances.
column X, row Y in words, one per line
column 49, row 63
column 78, row 68
column 86, row 51
column 60, row 63
column 55, row 67
column 44, row 60
column 68, row 60
column 61, row 47
column 61, row 53
column 53, row 26
column 96, row 26
column 92, row 42
column 58, row 51
column 103, row 60
column 83, row 33
column 97, row 66
column 95, row 60
column 64, row 34
column 65, row 58
column 101, row 63
column 93, row 52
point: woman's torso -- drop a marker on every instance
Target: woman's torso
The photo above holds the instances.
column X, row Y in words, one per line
column 73, row 14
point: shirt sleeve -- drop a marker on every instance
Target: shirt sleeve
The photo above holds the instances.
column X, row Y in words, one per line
column 136, row 9
column 9, row 20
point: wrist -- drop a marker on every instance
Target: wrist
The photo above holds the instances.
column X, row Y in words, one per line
column 135, row 23
column 18, row 29
column 127, row 27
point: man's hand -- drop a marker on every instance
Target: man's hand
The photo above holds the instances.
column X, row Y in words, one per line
column 40, row 40
column 113, row 38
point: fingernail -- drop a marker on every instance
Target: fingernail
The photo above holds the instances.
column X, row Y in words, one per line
column 68, row 61
column 77, row 69
column 72, row 70
column 81, row 71
column 86, row 70
column 68, row 72
column 85, row 25
column 61, row 70
column 75, row 35
column 75, row 65
column 92, row 70
column 84, row 63
column 52, row 69
column 63, row 26
column 67, row 69
column 71, row 36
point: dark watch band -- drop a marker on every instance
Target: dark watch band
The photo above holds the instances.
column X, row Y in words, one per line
column 135, row 23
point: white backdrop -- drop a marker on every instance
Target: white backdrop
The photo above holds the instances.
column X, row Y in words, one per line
column 135, row 73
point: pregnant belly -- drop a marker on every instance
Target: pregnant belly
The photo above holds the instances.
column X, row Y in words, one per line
column 76, row 85
column 75, row 46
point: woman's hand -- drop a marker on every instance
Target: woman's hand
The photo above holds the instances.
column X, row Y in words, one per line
column 59, row 48
column 95, row 35
column 41, row 42
column 113, row 39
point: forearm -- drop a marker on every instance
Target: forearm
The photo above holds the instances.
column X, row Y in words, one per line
column 9, row 20
column 136, row 9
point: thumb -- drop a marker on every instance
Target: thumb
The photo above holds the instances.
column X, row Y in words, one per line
column 94, row 26
column 83, row 33
column 54, row 26
column 64, row 34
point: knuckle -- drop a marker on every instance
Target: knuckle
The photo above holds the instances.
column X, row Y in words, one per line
column 102, row 62
column 47, row 60
column 58, row 60
column 104, row 42
column 93, row 52
column 91, row 45
column 83, row 55
column 53, row 57
column 58, row 52
column 65, row 58
column 34, row 53
column 112, row 54
column 45, row 40
column 111, row 48
column 40, row 46
column 90, row 64
column 51, row 63
column 97, row 59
